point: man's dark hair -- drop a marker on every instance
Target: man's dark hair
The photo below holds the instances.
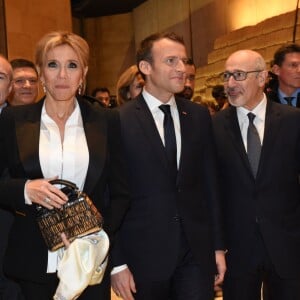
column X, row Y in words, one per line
column 23, row 63
column 101, row 90
column 145, row 50
column 279, row 55
column 218, row 92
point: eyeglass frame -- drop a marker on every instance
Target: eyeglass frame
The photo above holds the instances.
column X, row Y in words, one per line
column 234, row 74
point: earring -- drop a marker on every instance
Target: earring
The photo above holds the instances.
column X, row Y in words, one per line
column 80, row 89
column 44, row 87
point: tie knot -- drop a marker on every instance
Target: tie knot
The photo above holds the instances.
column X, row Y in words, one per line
column 289, row 100
column 165, row 108
column 251, row 117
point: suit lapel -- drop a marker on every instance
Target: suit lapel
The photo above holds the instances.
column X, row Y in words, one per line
column 272, row 127
column 186, row 126
column 233, row 128
column 146, row 122
column 28, row 135
column 298, row 100
column 95, row 129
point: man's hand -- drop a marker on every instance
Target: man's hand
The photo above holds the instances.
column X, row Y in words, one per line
column 221, row 266
column 123, row 284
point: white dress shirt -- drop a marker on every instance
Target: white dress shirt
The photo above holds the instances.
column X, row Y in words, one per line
column 68, row 159
column 158, row 116
column 259, row 120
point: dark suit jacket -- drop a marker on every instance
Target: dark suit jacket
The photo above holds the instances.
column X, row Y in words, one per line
column 271, row 202
column 149, row 237
column 26, row 255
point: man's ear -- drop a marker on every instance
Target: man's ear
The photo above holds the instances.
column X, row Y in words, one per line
column 10, row 87
column 262, row 77
column 145, row 67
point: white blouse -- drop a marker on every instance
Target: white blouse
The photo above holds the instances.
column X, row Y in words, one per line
column 68, row 160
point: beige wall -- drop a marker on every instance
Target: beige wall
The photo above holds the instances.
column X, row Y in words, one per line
column 27, row 21
column 208, row 27
column 111, row 41
column 114, row 39
column 264, row 37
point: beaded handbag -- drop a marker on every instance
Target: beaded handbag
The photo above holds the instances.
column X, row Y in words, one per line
column 77, row 218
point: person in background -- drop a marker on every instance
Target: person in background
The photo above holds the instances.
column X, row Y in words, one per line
column 25, row 82
column 189, row 85
column 5, row 81
column 286, row 67
column 8, row 290
column 210, row 104
column 62, row 136
column 129, row 85
column 102, row 94
column 220, row 96
column 271, row 86
column 258, row 146
column 170, row 245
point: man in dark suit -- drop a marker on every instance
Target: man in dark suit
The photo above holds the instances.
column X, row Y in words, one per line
column 260, row 188
column 8, row 290
column 171, row 239
column 286, row 67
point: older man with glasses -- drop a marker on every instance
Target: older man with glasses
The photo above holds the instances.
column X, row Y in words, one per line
column 259, row 163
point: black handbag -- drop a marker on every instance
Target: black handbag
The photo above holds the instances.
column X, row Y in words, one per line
column 77, row 218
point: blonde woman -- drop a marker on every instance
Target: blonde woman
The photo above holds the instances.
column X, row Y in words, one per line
column 62, row 136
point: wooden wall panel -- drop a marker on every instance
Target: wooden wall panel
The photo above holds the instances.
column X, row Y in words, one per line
column 3, row 42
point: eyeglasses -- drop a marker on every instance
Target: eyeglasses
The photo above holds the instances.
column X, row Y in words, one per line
column 173, row 61
column 23, row 81
column 237, row 75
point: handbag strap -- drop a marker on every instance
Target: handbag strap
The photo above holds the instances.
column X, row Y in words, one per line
column 64, row 182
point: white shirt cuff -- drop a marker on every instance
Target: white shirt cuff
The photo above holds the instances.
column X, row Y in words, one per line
column 27, row 200
column 118, row 269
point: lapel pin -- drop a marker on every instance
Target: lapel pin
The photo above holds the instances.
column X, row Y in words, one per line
column 184, row 113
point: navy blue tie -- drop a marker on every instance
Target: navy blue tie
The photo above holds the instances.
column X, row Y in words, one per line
column 253, row 145
column 170, row 138
column 289, row 100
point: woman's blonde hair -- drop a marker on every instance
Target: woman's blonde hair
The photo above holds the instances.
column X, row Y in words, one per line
column 58, row 38
column 124, row 82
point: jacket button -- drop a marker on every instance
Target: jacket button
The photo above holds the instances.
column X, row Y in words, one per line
column 176, row 218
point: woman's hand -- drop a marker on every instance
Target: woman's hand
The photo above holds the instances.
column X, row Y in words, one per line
column 43, row 193
column 65, row 240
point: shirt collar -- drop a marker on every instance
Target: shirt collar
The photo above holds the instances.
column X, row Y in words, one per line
column 259, row 110
column 282, row 94
column 2, row 106
column 153, row 103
